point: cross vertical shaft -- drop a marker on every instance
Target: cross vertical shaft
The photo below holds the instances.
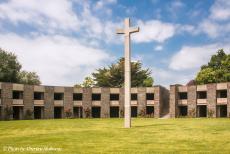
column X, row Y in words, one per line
column 127, row 31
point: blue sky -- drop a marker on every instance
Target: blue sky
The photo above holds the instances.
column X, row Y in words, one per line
column 66, row 40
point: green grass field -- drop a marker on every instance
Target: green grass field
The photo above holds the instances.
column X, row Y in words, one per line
column 109, row 136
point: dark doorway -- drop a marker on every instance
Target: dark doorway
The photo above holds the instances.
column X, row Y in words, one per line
column 96, row 112
column 183, row 95
column 114, row 97
column 0, row 112
column 202, row 110
column 202, row 95
column 150, row 111
column 96, row 97
column 183, row 110
column 133, row 111
column 114, row 112
column 77, row 112
column 222, row 109
column 38, row 112
column 58, row 112
column 149, row 96
column 222, row 94
column 17, row 111
column 133, row 97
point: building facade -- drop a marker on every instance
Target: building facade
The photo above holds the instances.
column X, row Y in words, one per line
column 20, row 101
column 210, row 100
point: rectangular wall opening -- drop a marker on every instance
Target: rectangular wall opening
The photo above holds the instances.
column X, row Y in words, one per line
column 182, row 111
column 114, row 97
column 96, row 112
column 77, row 112
column 221, row 93
column 114, row 112
column 38, row 96
column 202, row 110
column 183, row 95
column 58, row 96
column 17, row 112
column 222, row 110
column 77, row 97
column 133, row 111
column 38, row 112
column 58, row 112
column 17, row 94
column 0, row 112
column 149, row 96
column 96, row 97
column 150, row 111
column 202, row 95
column 133, row 97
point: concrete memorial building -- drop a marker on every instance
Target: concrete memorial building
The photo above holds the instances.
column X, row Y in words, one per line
column 210, row 100
column 48, row 102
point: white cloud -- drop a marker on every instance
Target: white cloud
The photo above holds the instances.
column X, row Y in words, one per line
column 166, row 77
column 220, row 10
column 46, row 14
column 52, row 17
column 154, row 30
column 58, row 60
column 159, row 48
column 191, row 57
column 102, row 3
column 217, row 23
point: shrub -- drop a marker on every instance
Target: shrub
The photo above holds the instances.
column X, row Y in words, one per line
column 68, row 113
column 8, row 113
column 87, row 112
column 210, row 113
column 29, row 114
column 142, row 113
column 192, row 113
column 121, row 113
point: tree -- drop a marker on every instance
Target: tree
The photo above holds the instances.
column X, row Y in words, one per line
column 217, row 70
column 88, row 82
column 29, row 78
column 113, row 76
column 9, row 67
column 10, row 70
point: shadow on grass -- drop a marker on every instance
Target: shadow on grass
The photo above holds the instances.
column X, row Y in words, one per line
column 153, row 125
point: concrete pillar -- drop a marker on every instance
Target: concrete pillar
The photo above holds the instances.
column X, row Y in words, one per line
column 157, row 102
column 228, row 105
column 211, row 100
column 28, row 100
column 141, row 101
column 121, row 102
column 164, row 101
column 192, row 101
column 7, row 100
column 68, row 100
column 105, row 102
column 49, row 102
column 87, row 102
column 173, row 105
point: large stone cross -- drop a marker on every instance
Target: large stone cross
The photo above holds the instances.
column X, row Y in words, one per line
column 127, row 31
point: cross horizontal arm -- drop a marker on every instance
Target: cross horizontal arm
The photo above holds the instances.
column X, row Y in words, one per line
column 120, row 31
column 134, row 29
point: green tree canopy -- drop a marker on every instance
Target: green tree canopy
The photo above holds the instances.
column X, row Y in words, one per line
column 9, row 67
column 217, row 70
column 29, row 78
column 10, row 70
column 113, row 76
column 88, row 82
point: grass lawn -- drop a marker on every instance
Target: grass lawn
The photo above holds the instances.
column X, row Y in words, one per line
column 109, row 136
